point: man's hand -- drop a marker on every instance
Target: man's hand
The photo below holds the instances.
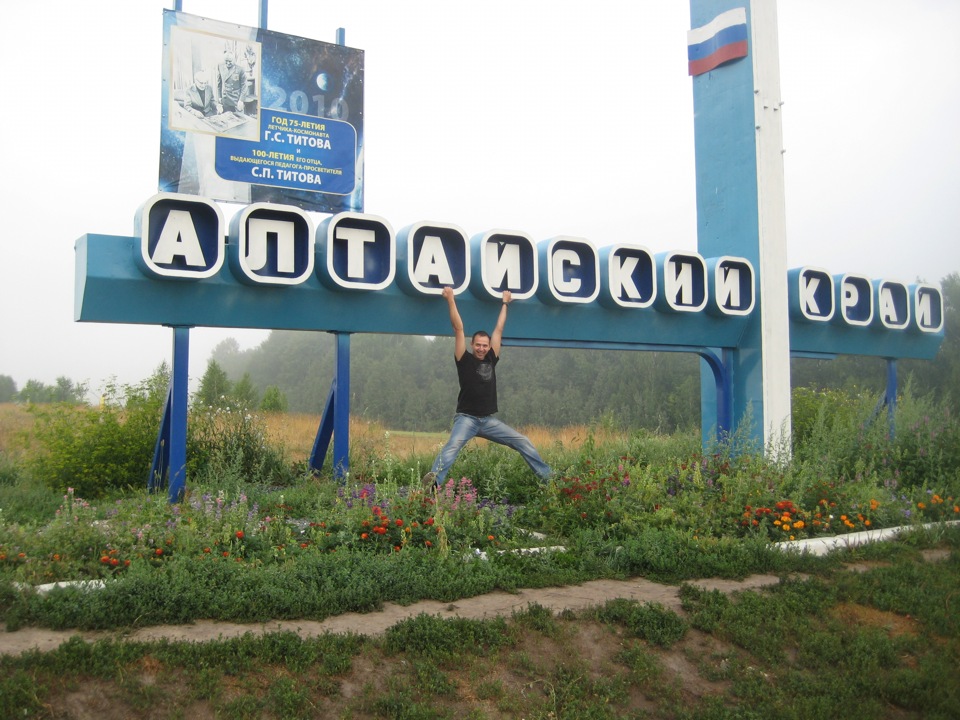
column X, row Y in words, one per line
column 507, row 297
column 448, row 293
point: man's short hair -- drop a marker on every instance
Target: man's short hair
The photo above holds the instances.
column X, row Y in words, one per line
column 479, row 333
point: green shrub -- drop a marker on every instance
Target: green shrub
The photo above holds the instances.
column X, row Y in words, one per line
column 230, row 447
column 95, row 450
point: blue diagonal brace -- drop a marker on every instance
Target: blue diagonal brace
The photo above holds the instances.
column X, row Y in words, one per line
column 170, row 453
column 335, row 421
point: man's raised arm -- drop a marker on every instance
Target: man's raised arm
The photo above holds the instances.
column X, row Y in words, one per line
column 497, row 335
column 460, row 346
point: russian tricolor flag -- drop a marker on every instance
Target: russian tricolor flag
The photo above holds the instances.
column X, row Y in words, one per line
column 722, row 39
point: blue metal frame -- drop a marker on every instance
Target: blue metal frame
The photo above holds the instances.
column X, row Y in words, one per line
column 719, row 366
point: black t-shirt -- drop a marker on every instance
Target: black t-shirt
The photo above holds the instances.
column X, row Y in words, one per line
column 478, row 384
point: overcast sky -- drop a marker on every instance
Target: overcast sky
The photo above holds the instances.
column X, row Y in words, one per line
column 546, row 117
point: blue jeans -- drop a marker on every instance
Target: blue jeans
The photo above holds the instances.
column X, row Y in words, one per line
column 467, row 427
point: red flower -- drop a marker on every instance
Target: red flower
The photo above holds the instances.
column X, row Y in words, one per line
column 239, row 534
column 399, row 522
column 158, row 552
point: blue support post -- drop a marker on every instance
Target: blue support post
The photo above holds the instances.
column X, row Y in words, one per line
column 170, row 452
column 263, row 14
column 335, row 420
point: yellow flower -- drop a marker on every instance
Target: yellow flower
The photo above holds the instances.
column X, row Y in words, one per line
column 799, row 525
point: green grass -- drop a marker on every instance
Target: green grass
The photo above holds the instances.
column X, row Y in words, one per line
column 244, row 548
column 860, row 641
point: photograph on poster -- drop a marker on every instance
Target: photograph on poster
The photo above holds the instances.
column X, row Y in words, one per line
column 214, row 84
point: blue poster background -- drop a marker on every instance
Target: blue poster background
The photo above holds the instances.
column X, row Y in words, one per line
column 294, row 135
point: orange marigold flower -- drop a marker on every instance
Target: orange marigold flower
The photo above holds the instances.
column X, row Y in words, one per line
column 364, row 536
column 921, row 505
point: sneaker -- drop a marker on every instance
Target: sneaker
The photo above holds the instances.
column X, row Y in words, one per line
column 430, row 482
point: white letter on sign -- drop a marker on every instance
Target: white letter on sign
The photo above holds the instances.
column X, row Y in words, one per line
column 808, row 294
column 621, row 277
column 356, row 238
column 258, row 231
column 888, row 307
column 504, row 263
column 679, row 282
column 433, row 262
column 560, row 259
column 728, row 290
column 179, row 238
column 851, row 296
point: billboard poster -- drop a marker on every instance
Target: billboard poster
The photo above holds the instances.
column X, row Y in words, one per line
column 250, row 115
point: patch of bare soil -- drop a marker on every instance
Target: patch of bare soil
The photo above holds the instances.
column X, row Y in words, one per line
column 895, row 625
column 694, row 660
